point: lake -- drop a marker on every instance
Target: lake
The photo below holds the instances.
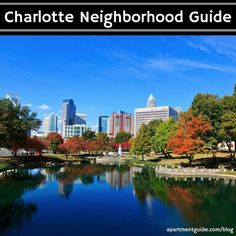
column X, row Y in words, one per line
column 95, row 199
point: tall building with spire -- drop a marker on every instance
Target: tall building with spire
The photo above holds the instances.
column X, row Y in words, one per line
column 151, row 102
column 152, row 112
column 68, row 114
column 15, row 99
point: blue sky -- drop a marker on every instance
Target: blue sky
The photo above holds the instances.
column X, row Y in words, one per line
column 110, row 73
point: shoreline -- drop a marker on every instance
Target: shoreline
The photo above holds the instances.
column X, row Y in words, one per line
column 49, row 161
column 195, row 172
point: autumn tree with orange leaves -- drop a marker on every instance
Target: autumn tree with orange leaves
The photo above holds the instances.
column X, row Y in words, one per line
column 71, row 146
column 189, row 137
column 37, row 144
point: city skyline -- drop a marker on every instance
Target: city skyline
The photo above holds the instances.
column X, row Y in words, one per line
column 102, row 73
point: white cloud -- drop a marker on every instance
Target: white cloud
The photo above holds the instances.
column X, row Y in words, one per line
column 44, row 107
column 174, row 63
column 225, row 46
column 199, row 46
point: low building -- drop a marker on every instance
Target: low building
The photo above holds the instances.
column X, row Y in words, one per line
column 39, row 134
column 75, row 130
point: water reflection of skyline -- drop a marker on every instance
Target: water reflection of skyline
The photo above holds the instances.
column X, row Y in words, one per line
column 196, row 201
column 116, row 177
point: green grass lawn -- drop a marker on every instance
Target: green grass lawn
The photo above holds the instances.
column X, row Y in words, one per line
column 3, row 165
column 229, row 173
column 175, row 160
column 62, row 157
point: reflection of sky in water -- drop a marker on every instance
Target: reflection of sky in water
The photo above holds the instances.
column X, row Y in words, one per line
column 112, row 203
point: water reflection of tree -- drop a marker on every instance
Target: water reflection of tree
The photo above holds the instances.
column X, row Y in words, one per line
column 13, row 210
column 84, row 172
column 202, row 203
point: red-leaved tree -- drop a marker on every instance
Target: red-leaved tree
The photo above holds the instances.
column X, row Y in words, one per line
column 188, row 139
column 36, row 144
column 124, row 145
column 71, row 146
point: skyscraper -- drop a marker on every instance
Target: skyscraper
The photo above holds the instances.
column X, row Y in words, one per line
column 103, row 124
column 15, row 99
column 151, row 102
column 152, row 112
column 50, row 124
column 119, row 122
column 68, row 114
column 80, row 119
column 46, row 126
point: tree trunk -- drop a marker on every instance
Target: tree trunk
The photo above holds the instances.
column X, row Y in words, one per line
column 165, row 154
column 190, row 158
column 214, row 157
column 234, row 149
column 142, row 157
column 230, row 150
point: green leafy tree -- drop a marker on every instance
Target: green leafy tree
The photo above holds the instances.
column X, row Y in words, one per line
column 210, row 106
column 16, row 122
column 89, row 135
column 163, row 133
column 102, row 136
column 152, row 126
column 228, row 130
column 54, row 145
column 122, row 137
column 141, row 145
column 103, row 142
column 228, row 103
column 55, row 140
column 227, row 126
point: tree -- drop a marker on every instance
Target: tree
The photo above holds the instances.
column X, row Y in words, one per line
column 163, row 133
column 141, row 145
column 55, row 140
column 188, row 137
column 102, row 136
column 210, row 106
column 16, row 122
column 228, row 130
column 124, row 145
column 122, row 137
column 214, row 109
column 36, row 144
column 152, row 126
column 71, row 146
column 227, row 126
column 65, row 149
column 103, row 142
column 89, row 135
